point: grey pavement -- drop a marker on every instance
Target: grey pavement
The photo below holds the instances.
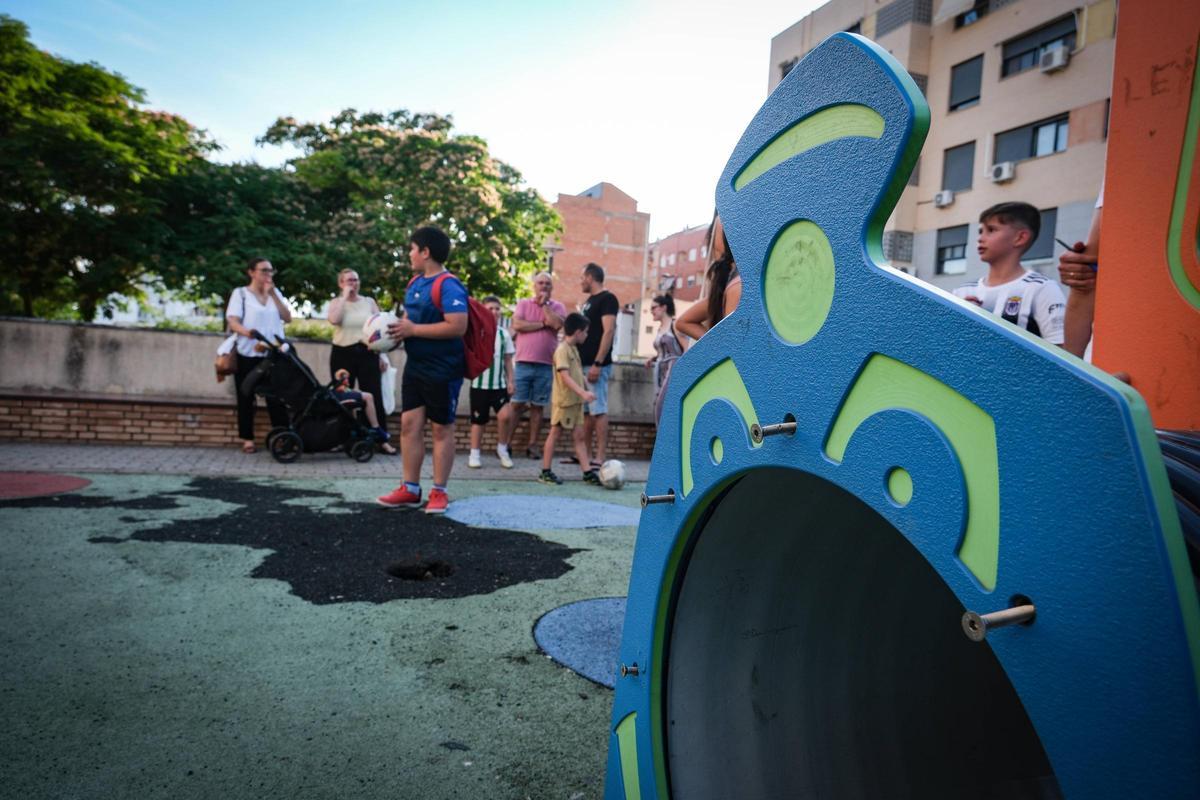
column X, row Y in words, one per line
column 230, row 461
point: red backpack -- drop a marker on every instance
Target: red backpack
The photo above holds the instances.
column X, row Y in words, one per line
column 479, row 342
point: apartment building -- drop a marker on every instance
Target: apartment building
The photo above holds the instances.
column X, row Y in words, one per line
column 1018, row 93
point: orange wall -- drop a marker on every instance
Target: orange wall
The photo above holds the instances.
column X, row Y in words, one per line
column 1147, row 322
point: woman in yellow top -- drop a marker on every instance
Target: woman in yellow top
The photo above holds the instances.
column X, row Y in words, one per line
column 347, row 313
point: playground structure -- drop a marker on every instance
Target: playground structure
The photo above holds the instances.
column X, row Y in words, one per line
column 893, row 546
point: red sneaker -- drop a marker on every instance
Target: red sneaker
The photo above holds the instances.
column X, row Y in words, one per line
column 438, row 500
column 401, row 497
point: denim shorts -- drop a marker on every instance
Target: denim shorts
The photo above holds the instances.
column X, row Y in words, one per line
column 600, row 404
column 534, row 382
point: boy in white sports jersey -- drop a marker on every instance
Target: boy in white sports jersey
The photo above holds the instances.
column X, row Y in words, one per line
column 491, row 391
column 1023, row 297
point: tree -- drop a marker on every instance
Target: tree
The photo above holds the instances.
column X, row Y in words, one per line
column 79, row 159
column 374, row 178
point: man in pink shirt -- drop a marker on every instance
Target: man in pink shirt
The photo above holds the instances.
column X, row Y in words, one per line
column 536, row 321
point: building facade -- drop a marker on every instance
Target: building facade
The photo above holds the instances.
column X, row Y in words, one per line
column 603, row 226
column 1018, row 94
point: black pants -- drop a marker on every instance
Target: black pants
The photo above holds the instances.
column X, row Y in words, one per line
column 246, row 405
column 363, row 366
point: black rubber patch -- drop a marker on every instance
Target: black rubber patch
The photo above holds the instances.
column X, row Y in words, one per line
column 342, row 557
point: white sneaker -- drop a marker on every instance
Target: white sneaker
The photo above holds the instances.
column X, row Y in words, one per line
column 505, row 460
column 473, row 461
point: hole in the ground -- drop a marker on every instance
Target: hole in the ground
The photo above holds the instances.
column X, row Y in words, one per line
column 420, row 570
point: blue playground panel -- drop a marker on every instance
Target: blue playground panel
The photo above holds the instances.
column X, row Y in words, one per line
column 794, row 614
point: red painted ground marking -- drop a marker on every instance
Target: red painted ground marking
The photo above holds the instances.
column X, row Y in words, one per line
column 36, row 484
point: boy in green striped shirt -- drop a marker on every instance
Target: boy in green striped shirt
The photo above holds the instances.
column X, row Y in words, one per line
column 491, row 391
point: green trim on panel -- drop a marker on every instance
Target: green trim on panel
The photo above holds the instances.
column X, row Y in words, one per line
column 886, row 383
column 798, row 281
column 908, row 156
column 1187, row 161
column 670, row 578
column 900, row 486
column 824, row 126
column 627, row 743
column 1164, row 505
column 721, row 382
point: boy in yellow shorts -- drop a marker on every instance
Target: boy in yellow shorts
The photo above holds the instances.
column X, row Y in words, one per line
column 567, row 399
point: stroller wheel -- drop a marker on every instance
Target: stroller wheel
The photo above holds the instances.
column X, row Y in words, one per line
column 273, row 433
column 362, row 451
column 286, row 447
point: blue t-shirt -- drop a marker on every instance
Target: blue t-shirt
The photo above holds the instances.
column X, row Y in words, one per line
column 434, row 359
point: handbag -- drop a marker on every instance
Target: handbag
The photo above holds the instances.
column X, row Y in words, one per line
column 226, row 363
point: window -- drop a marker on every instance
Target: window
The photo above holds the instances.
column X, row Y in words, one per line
column 958, row 167
column 786, row 66
column 970, row 17
column 679, row 283
column 691, row 280
column 964, row 83
column 1029, row 141
column 952, row 250
column 1024, row 52
column 692, row 254
column 1043, row 245
column 649, row 329
column 855, row 28
column 662, row 261
column 704, row 251
column 671, row 260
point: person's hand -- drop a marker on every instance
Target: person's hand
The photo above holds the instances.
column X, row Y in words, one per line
column 593, row 374
column 383, row 365
column 346, row 292
column 650, row 362
column 1077, row 268
column 973, row 299
column 589, row 397
column 401, row 329
column 510, row 389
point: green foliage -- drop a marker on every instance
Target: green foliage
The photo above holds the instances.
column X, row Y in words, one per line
column 99, row 197
column 377, row 177
column 317, row 329
column 207, row 326
column 77, row 157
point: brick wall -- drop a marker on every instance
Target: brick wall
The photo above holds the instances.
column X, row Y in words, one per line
column 212, row 424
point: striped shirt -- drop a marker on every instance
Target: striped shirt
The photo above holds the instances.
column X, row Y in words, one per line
column 495, row 376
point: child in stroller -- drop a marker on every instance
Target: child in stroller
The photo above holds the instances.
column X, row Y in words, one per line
column 320, row 417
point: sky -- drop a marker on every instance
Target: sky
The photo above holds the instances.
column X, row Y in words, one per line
column 651, row 96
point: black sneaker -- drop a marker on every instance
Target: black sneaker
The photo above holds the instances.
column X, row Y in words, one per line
column 591, row 477
column 549, row 477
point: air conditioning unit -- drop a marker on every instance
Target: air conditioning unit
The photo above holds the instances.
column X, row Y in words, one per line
column 943, row 198
column 1003, row 172
column 1054, row 59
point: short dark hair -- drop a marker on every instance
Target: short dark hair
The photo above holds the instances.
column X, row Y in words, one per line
column 253, row 262
column 1017, row 213
column 574, row 322
column 667, row 302
column 491, row 298
column 596, row 271
column 435, row 240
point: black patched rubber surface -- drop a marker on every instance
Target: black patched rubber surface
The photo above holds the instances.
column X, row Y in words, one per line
column 331, row 557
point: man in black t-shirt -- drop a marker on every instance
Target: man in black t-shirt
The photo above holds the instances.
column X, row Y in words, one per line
column 601, row 309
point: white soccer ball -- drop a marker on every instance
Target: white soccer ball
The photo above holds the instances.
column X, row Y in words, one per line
column 375, row 335
column 612, row 474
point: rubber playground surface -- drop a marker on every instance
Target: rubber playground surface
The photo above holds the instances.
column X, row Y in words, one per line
column 215, row 635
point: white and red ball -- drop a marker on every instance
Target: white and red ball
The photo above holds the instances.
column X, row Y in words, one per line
column 375, row 335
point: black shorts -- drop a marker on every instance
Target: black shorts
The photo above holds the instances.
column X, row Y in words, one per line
column 484, row 401
column 438, row 398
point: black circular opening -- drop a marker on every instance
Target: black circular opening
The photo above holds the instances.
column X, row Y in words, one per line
column 1021, row 600
column 420, row 570
column 814, row 653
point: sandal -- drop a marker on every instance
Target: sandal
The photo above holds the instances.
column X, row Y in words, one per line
column 249, row 448
column 388, row 450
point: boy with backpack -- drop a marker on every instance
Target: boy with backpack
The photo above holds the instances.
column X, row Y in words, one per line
column 436, row 309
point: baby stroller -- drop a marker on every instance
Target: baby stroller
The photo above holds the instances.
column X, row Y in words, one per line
column 317, row 420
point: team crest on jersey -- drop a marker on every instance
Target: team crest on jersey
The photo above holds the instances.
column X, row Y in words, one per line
column 1012, row 306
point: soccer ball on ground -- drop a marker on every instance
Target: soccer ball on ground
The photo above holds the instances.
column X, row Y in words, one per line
column 612, row 474
column 375, row 335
